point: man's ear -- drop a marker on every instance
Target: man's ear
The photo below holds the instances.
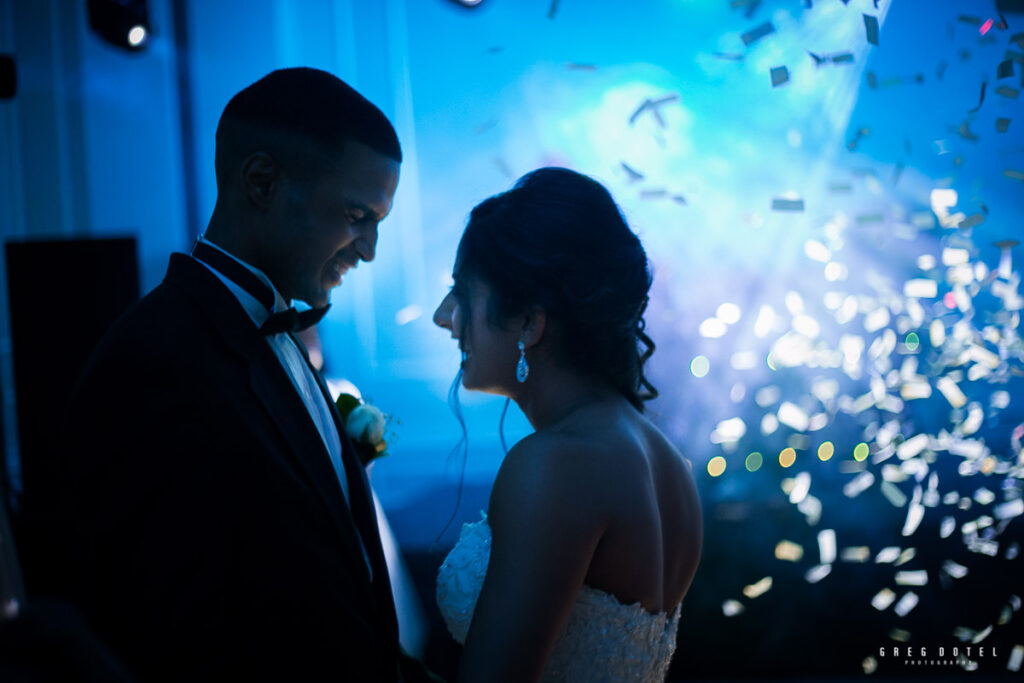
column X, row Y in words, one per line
column 260, row 178
column 535, row 322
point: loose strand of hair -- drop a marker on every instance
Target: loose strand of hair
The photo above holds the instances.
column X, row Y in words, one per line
column 501, row 426
column 649, row 391
column 462, row 446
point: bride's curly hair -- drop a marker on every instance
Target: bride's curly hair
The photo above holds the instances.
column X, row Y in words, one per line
column 557, row 240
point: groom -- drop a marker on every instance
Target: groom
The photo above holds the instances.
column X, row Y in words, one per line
column 221, row 526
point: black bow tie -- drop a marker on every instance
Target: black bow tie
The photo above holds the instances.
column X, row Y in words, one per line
column 291, row 320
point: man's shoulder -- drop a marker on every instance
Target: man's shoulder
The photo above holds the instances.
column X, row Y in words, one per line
column 185, row 302
column 167, row 327
column 161, row 318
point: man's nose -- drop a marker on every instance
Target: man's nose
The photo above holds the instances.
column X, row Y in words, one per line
column 366, row 243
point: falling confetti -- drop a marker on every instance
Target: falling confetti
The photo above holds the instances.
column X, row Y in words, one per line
column 860, row 135
column 780, row 75
column 757, row 589
column 981, row 98
column 887, row 555
column 835, row 58
column 912, row 578
column 957, row 571
column 817, row 573
column 907, row 603
column 779, row 204
column 731, row 608
column 855, row 554
column 871, row 28
column 883, row 599
column 1016, row 657
column 757, row 33
column 924, row 368
column 653, row 106
column 789, row 551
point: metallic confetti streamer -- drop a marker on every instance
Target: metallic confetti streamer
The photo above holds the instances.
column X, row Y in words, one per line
column 759, row 588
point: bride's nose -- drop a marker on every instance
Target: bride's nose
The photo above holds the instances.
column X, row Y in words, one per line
column 443, row 314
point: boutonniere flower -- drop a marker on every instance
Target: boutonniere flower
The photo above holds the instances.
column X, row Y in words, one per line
column 365, row 425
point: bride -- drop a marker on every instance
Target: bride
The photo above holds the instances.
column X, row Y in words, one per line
column 593, row 532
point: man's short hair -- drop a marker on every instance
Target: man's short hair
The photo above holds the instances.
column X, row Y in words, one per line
column 302, row 103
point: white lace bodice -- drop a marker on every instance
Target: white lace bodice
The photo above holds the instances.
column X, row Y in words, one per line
column 603, row 639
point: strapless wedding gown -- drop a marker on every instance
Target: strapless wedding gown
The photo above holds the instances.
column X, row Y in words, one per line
column 603, row 639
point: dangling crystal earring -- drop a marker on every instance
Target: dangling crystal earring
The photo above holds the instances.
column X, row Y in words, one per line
column 522, row 369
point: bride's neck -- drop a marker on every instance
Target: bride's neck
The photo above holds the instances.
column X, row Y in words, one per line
column 555, row 394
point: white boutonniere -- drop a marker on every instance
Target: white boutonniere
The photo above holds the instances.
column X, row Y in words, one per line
column 365, row 425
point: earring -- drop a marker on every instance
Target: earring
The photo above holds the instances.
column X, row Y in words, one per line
column 522, row 368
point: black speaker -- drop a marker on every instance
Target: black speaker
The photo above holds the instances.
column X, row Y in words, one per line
column 8, row 77
column 1010, row 6
column 64, row 295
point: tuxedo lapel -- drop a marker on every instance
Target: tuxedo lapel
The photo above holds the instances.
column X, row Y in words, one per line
column 273, row 388
column 360, row 498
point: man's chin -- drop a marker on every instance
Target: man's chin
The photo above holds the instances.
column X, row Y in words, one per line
column 318, row 299
column 327, row 284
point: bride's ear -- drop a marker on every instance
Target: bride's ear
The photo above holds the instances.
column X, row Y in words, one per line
column 535, row 322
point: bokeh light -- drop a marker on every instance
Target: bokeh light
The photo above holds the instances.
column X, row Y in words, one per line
column 700, row 366
column 754, row 461
column 716, row 466
column 825, row 451
column 729, row 313
column 860, row 452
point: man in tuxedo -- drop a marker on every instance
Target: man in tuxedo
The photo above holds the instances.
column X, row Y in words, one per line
column 219, row 522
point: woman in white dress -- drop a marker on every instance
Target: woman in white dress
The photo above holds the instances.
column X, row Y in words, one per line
column 593, row 531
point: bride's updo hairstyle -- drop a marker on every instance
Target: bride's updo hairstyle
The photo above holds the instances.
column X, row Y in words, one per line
column 557, row 240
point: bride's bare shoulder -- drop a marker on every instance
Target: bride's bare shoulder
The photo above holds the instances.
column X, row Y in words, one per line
column 582, row 471
column 544, row 459
column 550, row 469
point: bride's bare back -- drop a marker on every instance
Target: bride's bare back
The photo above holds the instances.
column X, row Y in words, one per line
column 634, row 484
column 644, row 489
column 599, row 498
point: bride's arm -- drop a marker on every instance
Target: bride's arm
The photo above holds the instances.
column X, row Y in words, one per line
column 546, row 522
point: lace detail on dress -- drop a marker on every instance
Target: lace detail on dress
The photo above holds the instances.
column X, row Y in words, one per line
column 603, row 639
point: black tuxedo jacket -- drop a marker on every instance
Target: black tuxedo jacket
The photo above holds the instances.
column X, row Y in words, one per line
column 209, row 537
